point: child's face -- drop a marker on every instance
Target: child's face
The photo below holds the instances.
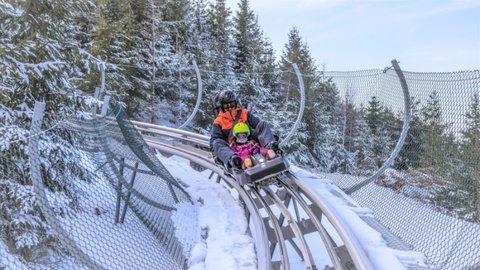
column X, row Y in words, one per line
column 242, row 137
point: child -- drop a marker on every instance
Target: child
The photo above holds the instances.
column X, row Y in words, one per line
column 245, row 148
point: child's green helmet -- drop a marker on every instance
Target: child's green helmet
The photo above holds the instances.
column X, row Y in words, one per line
column 241, row 128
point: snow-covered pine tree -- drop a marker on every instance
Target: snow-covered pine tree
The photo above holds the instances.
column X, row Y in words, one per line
column 142, row 67
column 328, row 131
column 38, row 62
column 288, row 82
column 346, row 153
column 409, row 156
column 289, row 97
column 363, row 144
column 112, row 42
column 254, row 59
column 175, row 79
column 441, row 158
column 373, row 114
column 269, row 74
column 222, row 47
column 471, row 157
column 220, row 25
column 321, row 131
column 433, row 158
column 201, row 45
column 376, row 116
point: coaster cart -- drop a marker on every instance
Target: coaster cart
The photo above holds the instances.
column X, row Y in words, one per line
column 261, row 171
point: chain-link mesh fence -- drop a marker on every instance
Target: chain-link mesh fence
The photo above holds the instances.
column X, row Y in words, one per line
column 430, row 196
column 108, row 204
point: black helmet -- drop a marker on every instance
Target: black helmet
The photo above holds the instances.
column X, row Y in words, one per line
column 223, row 97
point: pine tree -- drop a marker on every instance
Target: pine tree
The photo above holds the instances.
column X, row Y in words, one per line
column 219, row 62
column 202, row 37
column 39, row 61
column 176, row 79
column 409, row 156
column 296, row 51
column 471, row 156
column 374, row 120
column 113, row 43
column 321, row 132
column 222, row 44
column 373, row 114
column 363, row 144
column 254, row 59
column 434, row 130
column 327, row 131
column 349, row 163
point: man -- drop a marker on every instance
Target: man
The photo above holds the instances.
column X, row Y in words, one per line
column 229, row 112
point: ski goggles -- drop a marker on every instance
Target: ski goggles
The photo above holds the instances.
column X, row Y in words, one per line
column 229, row 106
column 241, row 135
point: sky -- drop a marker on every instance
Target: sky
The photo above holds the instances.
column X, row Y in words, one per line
column 423, row 35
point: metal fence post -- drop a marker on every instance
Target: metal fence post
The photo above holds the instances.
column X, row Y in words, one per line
column 127, row 198
column 119, row 192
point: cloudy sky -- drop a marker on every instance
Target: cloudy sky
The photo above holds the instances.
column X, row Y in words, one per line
column 423, row 35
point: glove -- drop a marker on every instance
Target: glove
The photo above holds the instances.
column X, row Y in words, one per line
column 235, row 161
column 272, row 145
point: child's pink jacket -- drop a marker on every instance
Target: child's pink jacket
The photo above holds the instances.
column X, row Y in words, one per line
column 247, row 149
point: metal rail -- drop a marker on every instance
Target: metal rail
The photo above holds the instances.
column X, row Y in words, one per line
column 207, row 162
column 275, row 200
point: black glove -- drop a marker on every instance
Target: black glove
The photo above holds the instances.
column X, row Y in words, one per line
column 235, row 161
column 272, row 145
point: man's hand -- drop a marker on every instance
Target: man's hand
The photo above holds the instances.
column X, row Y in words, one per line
column 235, row 161
column 272, row 145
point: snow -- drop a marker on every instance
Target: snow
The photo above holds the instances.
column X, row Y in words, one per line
column 222, row 238
column 350, row 212
column 228, row 246
column 222, row 220
column 7, row 259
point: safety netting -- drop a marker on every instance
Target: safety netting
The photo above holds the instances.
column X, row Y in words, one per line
column 429, row 196
column 107, row 203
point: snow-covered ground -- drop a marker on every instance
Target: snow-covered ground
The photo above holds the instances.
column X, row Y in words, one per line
column 228, row 246
column 448, row 242
column 223, row 242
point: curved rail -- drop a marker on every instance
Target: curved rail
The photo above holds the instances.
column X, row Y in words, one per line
column 289, row 188
column 277, row 230
column 316, row 222
column 302, row 106
column 401, row 139
column 353, row 246
column 199, row 97
column 203, row 160
column 304, row 249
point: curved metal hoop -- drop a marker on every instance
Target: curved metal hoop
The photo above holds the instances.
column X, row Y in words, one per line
column 39, row 188
column 403, row 135
column 199, row 97
column 302, row 106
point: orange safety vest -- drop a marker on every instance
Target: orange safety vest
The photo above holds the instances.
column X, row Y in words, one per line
column 225, row 120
